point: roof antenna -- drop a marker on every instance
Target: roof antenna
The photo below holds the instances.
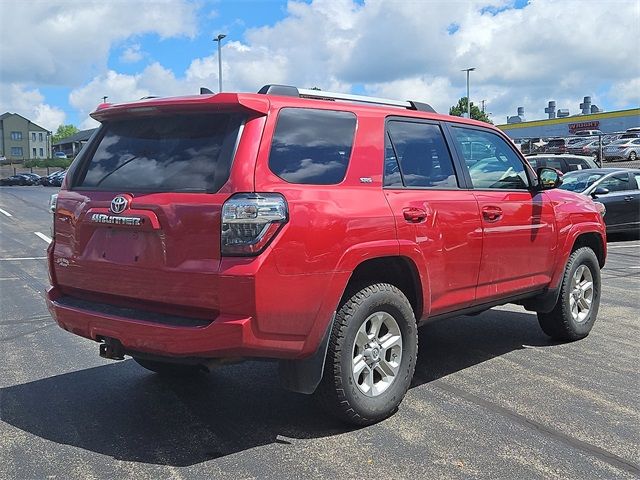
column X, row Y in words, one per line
column 205, row 91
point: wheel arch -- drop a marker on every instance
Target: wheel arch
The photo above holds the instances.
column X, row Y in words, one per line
column 397, row 270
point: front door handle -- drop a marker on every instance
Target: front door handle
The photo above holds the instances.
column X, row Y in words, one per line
column 491, row 214
column 414, row 215
column 628, row 199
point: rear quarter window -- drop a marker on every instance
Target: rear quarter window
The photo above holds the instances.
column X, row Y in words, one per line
column 312, row 146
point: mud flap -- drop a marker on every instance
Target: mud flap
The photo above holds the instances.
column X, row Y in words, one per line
column 303, row 376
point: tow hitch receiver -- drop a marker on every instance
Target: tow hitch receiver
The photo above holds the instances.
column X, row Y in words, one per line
column 111, row 348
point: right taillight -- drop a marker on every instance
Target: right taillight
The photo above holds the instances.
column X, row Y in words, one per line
column 250, row 221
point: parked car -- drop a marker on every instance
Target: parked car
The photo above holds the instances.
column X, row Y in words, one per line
column 59, row 155
column 590, row 147
column 15, row 180
column 616, row 188
column 562, row 162
column 33, row 178
column 53, row 179
column 587, row 133
column 21, row 179
column 623, row 149
column 555, row 145
column 296, row 226
column 531, row 145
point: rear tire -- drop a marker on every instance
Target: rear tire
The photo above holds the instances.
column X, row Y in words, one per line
column 633, row 157
column 167, row 369
column 577, row 307
column 371, row 356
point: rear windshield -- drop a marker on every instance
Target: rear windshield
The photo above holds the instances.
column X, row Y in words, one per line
column 187, row 153
column 555, row 143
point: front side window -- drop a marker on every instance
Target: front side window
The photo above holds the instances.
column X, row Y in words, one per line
column 422, row 156
column 181, row 153
column 616, row 183
column 312, row 146
column 494, row 164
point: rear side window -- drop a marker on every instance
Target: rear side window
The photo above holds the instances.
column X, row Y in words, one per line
column 167, row 153
column 312, row 146
column 418, row 156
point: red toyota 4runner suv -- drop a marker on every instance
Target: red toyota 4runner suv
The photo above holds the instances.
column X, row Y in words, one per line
column 313, row 228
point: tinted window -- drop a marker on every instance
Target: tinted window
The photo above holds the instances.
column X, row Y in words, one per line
column 579, row 181
column 392, row 176
column 498, row 167
column 422, row 155
column 168, row 153
column 577, row 164
column 637, row 177
column 312, row 146
column 617, row 182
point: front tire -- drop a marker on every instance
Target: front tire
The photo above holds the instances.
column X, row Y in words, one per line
column 371, row 355
column 633, row 157
column 577, row 307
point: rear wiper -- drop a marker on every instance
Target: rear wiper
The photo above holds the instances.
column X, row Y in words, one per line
column 116, row 169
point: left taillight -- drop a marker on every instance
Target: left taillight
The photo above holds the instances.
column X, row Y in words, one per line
column 53, row 205
column 250, row 221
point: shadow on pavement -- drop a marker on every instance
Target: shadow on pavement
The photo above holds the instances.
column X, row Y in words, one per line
column 123, row 411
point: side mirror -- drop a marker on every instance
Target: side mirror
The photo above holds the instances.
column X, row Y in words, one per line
column 549, row 178
column 599, row 191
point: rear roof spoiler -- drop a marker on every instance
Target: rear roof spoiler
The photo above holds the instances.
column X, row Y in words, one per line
column 291, row 91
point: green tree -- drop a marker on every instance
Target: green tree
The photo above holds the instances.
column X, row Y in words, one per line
column 476, row 113
column 64, row 131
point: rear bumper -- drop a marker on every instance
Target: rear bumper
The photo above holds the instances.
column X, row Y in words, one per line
column 225, row 336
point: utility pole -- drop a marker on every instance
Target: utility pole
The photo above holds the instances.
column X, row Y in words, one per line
column 104, row 99
column 483, row 105
column 468, row 101
column 219, row 40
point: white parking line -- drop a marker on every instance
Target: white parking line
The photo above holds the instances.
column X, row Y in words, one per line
column 43, row 237
column 4, row 212
column 622, row 246
column 20, row 258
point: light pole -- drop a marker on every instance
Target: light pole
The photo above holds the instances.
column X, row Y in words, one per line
column 468, row 103
column 219, row 40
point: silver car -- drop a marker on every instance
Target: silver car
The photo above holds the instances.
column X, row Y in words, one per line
column 623, row 149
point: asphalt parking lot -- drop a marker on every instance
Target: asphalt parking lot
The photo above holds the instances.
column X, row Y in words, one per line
column 493, row 397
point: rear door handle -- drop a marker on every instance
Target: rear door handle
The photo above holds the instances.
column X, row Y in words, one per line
column 414, row 215
column 491, row 214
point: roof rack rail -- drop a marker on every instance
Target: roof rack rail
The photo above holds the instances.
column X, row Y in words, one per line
column 290, row 91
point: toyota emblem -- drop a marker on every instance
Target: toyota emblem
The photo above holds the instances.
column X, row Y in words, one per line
column 119, row 204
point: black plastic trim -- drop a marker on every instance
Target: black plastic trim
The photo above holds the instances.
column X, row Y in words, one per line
column 282, row 90
column 132, row 313
column 304, row 376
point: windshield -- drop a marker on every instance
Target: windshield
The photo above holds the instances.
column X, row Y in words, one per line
column 167, row 153
column 579, row 181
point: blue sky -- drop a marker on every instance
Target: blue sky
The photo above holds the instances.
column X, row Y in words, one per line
column 525, row 52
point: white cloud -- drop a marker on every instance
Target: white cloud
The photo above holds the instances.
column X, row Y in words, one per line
column 59, row 42
column 524, row 57
column 626, row 92
column 132, row 54
column 29, row 103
